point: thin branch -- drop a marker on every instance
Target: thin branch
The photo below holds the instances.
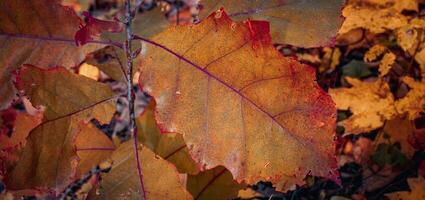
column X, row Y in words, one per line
column 130, row 92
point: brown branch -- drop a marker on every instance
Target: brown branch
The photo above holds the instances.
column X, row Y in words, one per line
column 130, row 91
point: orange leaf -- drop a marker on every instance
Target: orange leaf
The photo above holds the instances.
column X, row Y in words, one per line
column 49, row 158
column 238, row 102
column 161, row 180
column 93, row 147
column 307, row 23
column 38, row 32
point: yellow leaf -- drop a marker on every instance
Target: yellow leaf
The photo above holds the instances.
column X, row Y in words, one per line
column 386, row 63
column 374, row 52
column 370, row 102
column 376, row 20
column 413, row 104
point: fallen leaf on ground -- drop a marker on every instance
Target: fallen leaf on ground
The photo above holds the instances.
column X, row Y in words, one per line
column 370, row 102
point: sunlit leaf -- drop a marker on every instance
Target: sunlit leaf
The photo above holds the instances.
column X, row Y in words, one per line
column 38, row 32
column 238, row 102
column 161, row 180
column 308, row 23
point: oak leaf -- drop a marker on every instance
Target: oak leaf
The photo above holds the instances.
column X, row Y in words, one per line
column 161, row 180
column 49, row 158
column 170, row 146
column 38, row 32
column 216, row 183
column 238, row 102
column 370, row 102
column 92, row 147
column 288, row 19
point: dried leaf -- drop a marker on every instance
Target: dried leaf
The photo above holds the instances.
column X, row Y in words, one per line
column 239, row 103
column 160, row 179
column 370, row 102
column 38, row 32
column 170, row 146
column 216, row 183
column 413, row 104
column 93, row 28
column 376, row 20
column 401, row 131
column 374, row 52
column 417, row 191
column 49, row 159
column 288, row 19
column 386, row 63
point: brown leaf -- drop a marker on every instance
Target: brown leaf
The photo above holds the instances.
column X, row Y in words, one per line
column 49, row 159
column 308, row 23
column 238, row 102
column 161, row 180
column 22, row 127
column 93, row 147
column 170, row 146
column 38, row 32
column 216, row 183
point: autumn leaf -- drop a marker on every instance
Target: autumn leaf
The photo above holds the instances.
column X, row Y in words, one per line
column 374, row 52
column 170, row 146
column 414, row 102
column 399, row 130
column 377, row 16
column 160, row 179
column 93, row 28
column 370, row 102
column 416, row 185
column 92, row 147
column 387, row 61
column 37, row 32
column 238, row 102
column 49, row 158
column 288, row 19
column 22, row 125
column 216, row 183
column 109, row 60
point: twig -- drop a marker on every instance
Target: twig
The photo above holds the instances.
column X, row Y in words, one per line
column 130, row 91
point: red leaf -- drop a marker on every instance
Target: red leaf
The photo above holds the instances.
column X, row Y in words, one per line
column 94, row 27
